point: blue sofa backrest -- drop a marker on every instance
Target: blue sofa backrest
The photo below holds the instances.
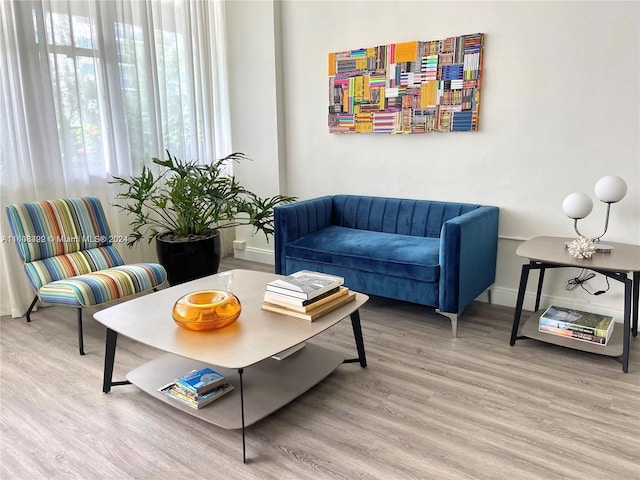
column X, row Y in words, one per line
column 420, row 218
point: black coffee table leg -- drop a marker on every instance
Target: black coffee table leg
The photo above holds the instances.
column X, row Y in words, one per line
column 357, row 334
column 244, row 448
column 109, row 359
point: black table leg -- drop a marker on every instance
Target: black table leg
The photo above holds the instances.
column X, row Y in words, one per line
column 357, row 334
column 634, row 305
column 244, row 447
column 539, row 290
column 627, row 325
column 524, row 277
column 109, row 359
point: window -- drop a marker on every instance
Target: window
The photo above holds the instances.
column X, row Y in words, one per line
column 75, row 72
column 123, row 85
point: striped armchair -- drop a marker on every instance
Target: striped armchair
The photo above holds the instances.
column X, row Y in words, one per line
column 68, row 255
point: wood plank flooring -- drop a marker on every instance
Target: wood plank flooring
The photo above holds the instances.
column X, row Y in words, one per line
column 428, row 406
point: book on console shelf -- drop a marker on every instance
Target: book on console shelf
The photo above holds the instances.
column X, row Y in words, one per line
column 585, row 337
column 304, row 306
column 580, row 323
column 305, row 284
column 315, row 313
column 177, row 392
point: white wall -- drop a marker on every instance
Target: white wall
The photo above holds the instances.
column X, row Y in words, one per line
column 253, row 64
column 560, row 109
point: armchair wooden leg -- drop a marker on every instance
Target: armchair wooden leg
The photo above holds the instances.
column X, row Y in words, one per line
column 33, row 304
column 80, row 336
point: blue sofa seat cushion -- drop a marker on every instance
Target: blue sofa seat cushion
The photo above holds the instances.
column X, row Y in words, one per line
column 404, row 256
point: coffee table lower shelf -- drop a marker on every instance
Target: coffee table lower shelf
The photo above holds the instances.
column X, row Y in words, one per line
column 268, row 385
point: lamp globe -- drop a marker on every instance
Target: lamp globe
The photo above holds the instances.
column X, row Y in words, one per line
column 611, row 189
column 577, row 205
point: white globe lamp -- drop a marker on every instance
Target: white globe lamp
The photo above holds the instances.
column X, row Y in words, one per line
column 577, row 205
column 609, row 189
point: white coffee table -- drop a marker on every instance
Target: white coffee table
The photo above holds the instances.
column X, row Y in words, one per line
column 265, row 386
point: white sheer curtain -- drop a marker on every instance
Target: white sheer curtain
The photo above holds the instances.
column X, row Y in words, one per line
column 95, row 88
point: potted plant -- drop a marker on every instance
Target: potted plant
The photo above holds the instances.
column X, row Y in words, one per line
column 184, row 207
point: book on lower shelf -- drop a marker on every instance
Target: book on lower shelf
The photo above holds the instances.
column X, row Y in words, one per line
column 315, row 313
column 577, row 324
column 305, row 284
column 177, row 392
column 200, row 381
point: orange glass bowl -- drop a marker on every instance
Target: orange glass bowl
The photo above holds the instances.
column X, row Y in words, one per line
column 206, row 310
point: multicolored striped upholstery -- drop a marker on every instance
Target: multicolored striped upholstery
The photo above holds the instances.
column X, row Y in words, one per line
column 47, row 270
column 103, row 286
column 55, row 227
column 66, row 249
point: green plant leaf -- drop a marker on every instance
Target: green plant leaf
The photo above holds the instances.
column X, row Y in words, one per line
column 189, row 198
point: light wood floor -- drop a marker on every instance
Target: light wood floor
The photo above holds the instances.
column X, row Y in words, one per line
column 428, row 407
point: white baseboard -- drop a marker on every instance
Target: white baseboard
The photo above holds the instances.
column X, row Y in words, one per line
column 253, row 254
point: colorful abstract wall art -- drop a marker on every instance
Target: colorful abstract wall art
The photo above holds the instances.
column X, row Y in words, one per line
column 410, row 87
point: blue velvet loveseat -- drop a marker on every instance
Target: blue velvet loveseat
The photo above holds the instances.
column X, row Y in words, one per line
column 440, row 254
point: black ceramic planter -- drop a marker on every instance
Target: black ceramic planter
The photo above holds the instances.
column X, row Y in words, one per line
column 187, row 260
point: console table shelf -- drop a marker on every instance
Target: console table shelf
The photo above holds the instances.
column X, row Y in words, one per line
column 613, row 348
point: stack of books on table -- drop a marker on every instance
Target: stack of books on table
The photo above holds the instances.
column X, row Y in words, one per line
column 576, row 324
column 197, row 388
column 306, row 294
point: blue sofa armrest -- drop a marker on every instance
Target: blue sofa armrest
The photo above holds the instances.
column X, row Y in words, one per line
column 297, row 219
column 468, row 252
